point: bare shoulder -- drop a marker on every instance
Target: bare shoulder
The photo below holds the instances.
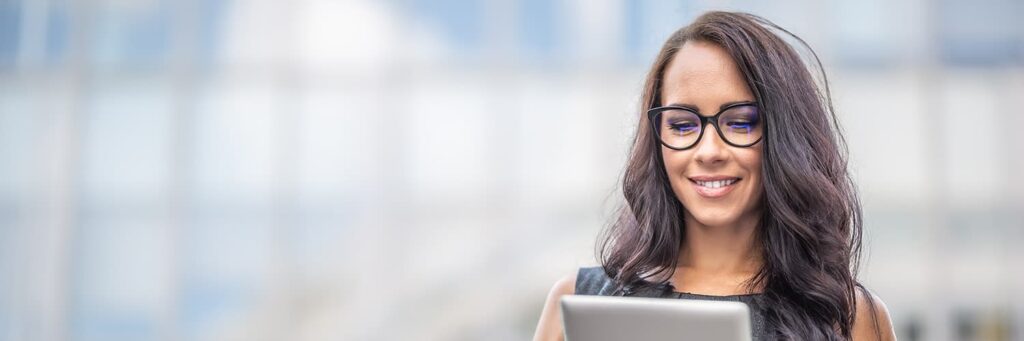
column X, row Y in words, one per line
column 564, row 286
column 549, row 328
column 872, row 321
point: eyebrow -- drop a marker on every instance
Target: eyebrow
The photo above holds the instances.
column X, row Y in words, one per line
column 720, row 108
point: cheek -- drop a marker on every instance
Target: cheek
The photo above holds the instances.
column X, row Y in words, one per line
column 750, row 158
column 751, row 162
column 675, row 162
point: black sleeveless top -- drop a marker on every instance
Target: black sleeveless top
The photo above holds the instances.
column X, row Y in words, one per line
column 593, row 281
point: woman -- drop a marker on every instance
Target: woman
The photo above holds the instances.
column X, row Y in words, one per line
column 737, row 189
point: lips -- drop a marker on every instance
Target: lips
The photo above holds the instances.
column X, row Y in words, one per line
column 713, row 186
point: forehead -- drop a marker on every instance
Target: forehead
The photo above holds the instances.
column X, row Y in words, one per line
column 703, row 74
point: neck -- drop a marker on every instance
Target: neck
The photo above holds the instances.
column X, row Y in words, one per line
column 724, row 250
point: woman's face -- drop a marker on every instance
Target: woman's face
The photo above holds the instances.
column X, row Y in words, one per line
column 703, row 76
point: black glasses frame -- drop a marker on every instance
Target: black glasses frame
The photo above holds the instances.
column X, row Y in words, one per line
column 704, row 120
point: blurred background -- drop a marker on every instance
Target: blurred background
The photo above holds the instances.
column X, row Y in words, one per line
column 426, row 170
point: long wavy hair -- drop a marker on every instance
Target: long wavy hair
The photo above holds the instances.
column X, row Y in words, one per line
column 810, row 223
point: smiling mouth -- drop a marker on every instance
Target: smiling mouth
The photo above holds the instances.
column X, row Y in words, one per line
column 716, row 184
column 713, row 187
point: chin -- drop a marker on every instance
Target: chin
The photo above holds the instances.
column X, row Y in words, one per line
column 712, row 217
column 715, row 220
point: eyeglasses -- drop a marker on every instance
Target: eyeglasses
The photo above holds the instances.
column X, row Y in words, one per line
column 681, row 128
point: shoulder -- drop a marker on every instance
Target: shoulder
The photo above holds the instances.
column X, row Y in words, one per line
column 564, row 286
column 549, row 328
column 872, row 321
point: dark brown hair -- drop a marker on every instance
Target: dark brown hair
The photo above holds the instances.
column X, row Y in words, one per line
column 810, row 227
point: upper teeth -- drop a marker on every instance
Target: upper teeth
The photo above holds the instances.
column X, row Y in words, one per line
column 717, row 184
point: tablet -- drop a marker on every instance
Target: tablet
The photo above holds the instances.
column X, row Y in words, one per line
column 612, row 318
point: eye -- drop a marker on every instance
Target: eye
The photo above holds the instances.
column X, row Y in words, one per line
column 679, row 122
column 740, row 125
column 742, row 119
column 683, row 126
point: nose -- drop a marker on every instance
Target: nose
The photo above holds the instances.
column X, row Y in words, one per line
column 711, row 149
